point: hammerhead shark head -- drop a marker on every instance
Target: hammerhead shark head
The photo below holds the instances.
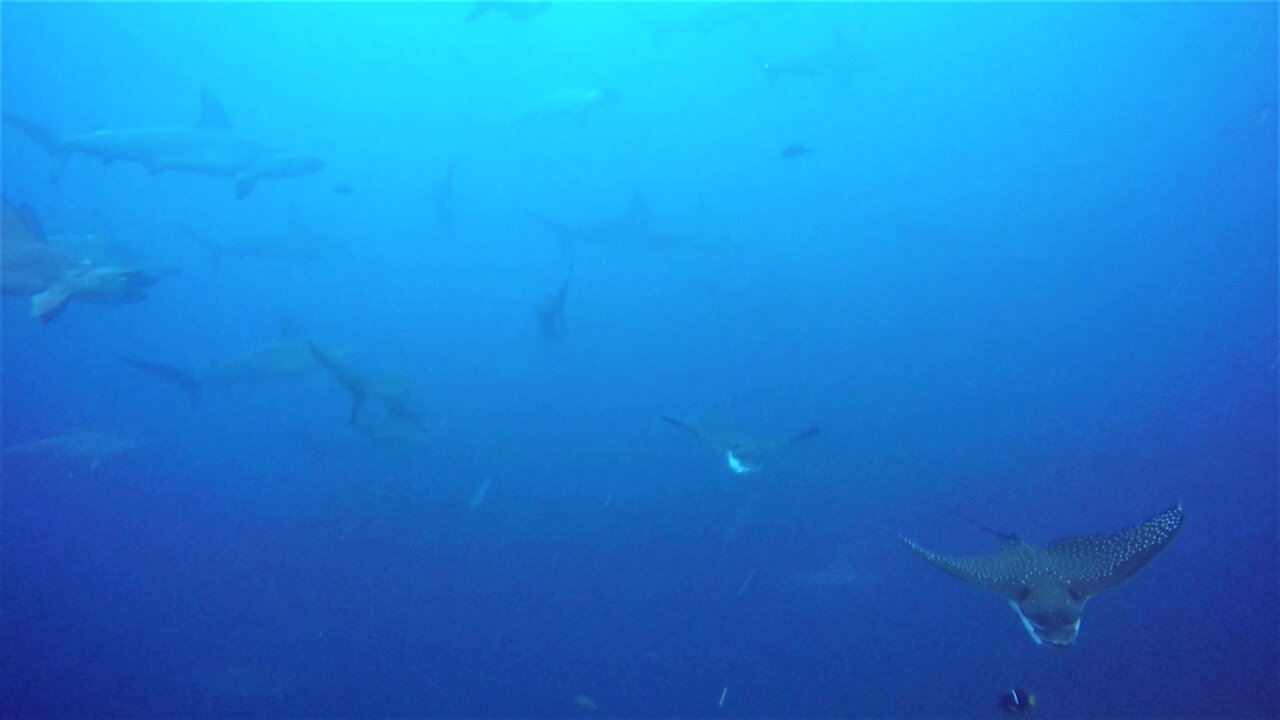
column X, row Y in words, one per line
column 742, row 456
column 211, row 147
column 1049, row 586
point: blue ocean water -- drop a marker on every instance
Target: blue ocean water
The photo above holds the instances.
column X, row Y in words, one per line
column 1015, row 263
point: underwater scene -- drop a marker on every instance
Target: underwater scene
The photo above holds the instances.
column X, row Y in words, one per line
column 637, row 359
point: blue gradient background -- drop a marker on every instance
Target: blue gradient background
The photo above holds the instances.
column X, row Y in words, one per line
column 1029, row 271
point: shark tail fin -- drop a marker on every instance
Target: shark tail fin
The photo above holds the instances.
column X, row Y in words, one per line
column 47, row 305
column 179, row 378
column 46, row 138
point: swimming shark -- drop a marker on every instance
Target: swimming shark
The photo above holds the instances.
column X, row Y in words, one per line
column 836, row 60
column 633, row 227
column 698, row 18
column 288, row 356
column 575, row 102
column 741, row 455
column 54, row 274
column 551, row 311
column 297, row 241
column 1049, row 586
column 210, row 147
column 79, row 446
column 514, row 9
column 394, row 396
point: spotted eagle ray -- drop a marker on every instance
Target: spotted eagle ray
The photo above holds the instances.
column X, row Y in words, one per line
column 1049, row 586
column 741, row 455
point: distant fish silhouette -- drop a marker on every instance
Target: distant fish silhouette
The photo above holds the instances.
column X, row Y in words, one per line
column 343, row 189
column 1048, row 587
column 795, row 150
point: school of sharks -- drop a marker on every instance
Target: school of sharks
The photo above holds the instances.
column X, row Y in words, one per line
column 56, row 274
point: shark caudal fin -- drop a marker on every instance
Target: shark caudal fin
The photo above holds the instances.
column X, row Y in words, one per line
column 181, row 379
column 46, row 138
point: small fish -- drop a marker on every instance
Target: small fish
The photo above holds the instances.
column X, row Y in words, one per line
column 795, row 150
column 1016, row 701
column 586, row 703
column 343, row 189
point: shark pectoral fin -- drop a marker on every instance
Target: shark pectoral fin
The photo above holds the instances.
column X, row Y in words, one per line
column 245, row 185
column 49, row 304
column 1100, row 562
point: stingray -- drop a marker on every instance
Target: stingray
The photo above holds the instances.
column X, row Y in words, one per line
column 1049, row 586
column 743, row 456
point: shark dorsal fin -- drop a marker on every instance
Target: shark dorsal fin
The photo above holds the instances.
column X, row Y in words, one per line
column 212, row 116
column 1100, row 562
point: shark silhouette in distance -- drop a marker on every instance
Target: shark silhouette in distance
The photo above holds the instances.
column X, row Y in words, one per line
column 393, row 396
column 551, row 311
column 210, row 147
column 53, row 272
column 1049, row 586
column 93, row 447
column 289, row 356
column 566, row 102
column 634, row 227
column 514, row 9
column 836, row 60
column 743, row 456
column 297, row 242
column 698, row 19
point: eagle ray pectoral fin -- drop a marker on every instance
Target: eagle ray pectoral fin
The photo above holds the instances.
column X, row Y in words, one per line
column 1026, row 623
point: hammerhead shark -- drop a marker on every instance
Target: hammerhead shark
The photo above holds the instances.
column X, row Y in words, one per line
column 295, row 242
column 1049, row 586
column 551, row 311
column 288, row 356
column 742, row 456
column 53, row 274
column 575, row 102
column 634, row 227
column 211, row 147
column 93, row 447
column 836, row 60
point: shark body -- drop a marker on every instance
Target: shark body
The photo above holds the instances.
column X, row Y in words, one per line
column 92, row 447
column 576, row 102
column 211, row 147
column 1049, row 586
